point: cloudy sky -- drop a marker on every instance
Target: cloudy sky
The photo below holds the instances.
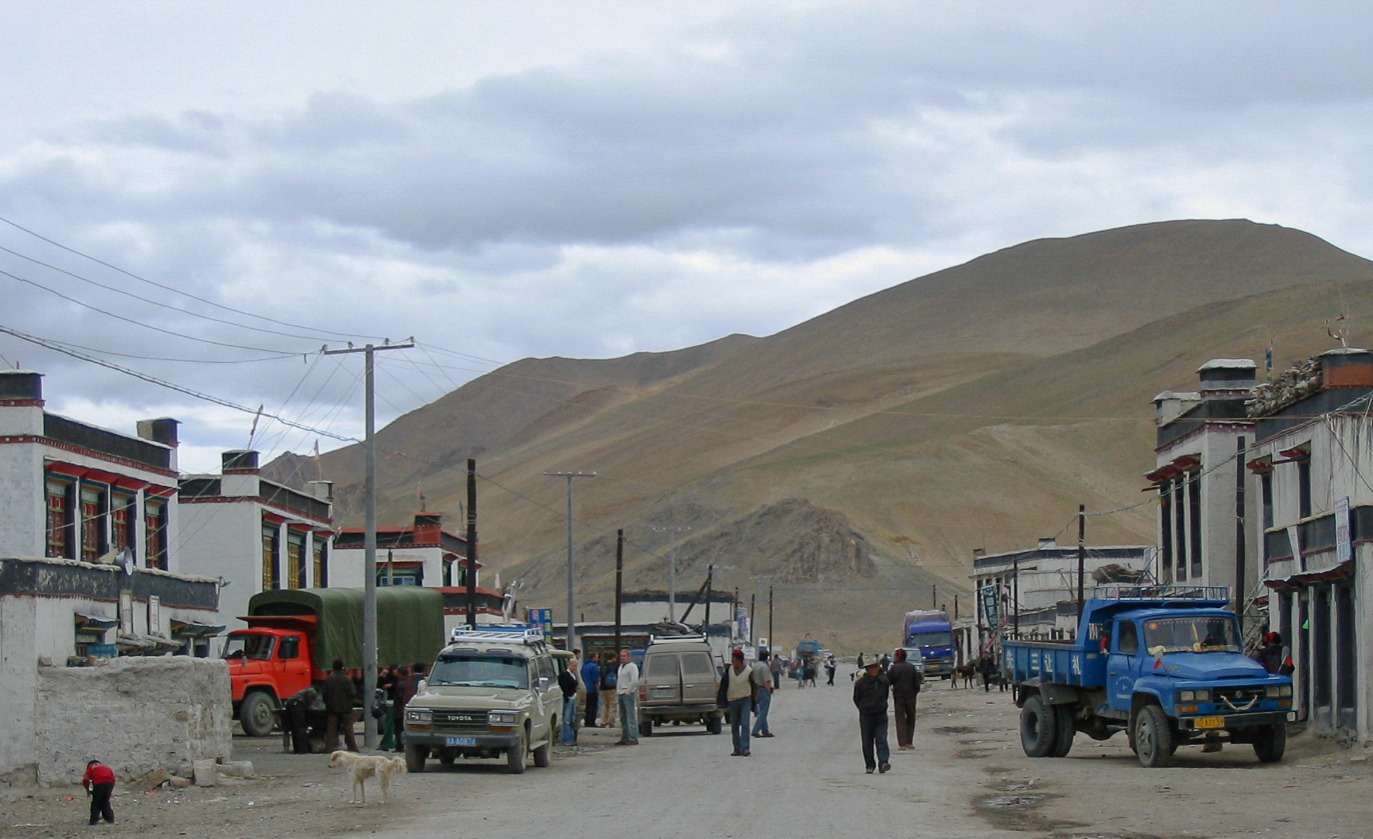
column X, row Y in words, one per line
column 206, row 194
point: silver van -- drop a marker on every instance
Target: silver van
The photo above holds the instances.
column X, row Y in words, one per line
column 677, row 683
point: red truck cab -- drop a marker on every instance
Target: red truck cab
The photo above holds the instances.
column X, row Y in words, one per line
column 269, row 662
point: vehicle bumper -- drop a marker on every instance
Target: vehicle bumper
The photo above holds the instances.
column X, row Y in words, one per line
column 462, row 741
column 677, row 711
column 1233, row 721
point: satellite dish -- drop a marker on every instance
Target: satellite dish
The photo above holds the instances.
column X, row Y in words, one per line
column 125, row 561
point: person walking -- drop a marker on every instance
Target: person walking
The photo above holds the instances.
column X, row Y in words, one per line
column 762, row 670
column 986, row 667
column 627, row 696
column 567, row 683
column 905, row 682
column 609, row 701
column 591, row 678
column 830, row 666
column 339, row 694
column 774, row 668
column 870, row 693
column 99, row 784
column 740, row 684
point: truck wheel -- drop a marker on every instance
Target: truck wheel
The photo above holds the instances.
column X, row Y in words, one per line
column 715, row 723
column 1063, row 721
column 255, row 714
column 514, row 756
column 543, row 756
column 1271, row 743
column 646, row 727
column 1153, row 737
column 415, row 756
column 1038, row 727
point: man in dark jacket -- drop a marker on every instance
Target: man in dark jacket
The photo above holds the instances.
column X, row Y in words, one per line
column 870, row 693
column 591, row 679
column 338, row 707
column 905, row 684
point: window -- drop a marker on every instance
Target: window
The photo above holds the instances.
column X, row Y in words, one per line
column 1128, row 641
column 155, row 542
column 295, row 560
column 93, row 541
column 271, row 557
column 1303, row 489
column 1266, row 491
column 662, row 665
column 1194, row 522
column 1179, row 530
column 1165, row 497
column 321, row 570
column 290, row 648
column 59, row 520
column 123, row 514
column 697, row 664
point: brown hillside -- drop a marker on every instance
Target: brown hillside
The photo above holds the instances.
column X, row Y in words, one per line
column 975, row 407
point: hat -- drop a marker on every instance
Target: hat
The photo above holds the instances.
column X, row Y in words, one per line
column 739, row 654
column 873, row 663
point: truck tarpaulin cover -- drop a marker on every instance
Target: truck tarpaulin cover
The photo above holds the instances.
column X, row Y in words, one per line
column 409, row 622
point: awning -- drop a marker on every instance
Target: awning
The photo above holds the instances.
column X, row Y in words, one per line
column 94, row 623
column 191, row 629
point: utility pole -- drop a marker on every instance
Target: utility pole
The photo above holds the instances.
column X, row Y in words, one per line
column 369, row 539
column 472, row 544
column 772, row 640
column 571, row 576
column 1240, row 595
column 752, row 608
column 619, row 582
column 671, row 569
column 1081, row 555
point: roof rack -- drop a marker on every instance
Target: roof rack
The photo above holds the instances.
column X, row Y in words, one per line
column 669, row 639
column 517, row 633
column 1120, row 591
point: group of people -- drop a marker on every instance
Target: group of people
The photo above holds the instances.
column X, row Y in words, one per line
column 610, row 685
column 900, row 681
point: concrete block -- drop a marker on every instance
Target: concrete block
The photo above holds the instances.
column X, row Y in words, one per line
column 237, row 768
column 206, row 773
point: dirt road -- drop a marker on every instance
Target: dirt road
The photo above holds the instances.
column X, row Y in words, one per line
column 967, row 778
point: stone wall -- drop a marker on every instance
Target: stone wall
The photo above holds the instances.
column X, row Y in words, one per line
column 134, row 714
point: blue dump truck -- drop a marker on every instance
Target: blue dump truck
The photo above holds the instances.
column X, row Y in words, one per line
column 1164, row 664
column 932, row 634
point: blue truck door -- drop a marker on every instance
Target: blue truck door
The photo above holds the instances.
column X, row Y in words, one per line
column 1122, row 665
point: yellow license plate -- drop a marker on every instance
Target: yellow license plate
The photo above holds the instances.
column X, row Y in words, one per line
column 1210, row 722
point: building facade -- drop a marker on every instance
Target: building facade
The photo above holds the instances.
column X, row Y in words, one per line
column 254, row 534
column 1310, row 467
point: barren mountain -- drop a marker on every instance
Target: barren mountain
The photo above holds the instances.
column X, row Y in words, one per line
column 974, row 407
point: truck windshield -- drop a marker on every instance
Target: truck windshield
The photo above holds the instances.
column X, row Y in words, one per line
column 476, row 670
column 256, row 647
column 1192, row 635
column 930, row 639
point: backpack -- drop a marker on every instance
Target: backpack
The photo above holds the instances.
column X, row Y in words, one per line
column 609, row 676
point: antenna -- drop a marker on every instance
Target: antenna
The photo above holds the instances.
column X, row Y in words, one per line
column 1341, row 334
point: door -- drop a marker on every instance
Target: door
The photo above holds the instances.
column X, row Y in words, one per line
column 1122, row 665
column 662, row 679
column 698, row 678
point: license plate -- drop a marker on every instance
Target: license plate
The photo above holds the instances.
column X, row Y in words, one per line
column 460, row 741
column 1210, row 722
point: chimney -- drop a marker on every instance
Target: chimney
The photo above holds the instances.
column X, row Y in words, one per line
column 1047, row 544
column 1227, row 378
column 161, row 430
column 239, row 462
column 428, row 528
column 322, row 491
column 978, row 553
column 1169, row 405
column 1346, row 367
column 21, row 386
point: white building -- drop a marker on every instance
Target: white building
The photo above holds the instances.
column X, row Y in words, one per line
column 1034, row 591
column 1198, row 478
column 1311, row 466
column 254, row 534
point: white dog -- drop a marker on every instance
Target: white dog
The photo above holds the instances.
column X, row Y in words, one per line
column 362, row 767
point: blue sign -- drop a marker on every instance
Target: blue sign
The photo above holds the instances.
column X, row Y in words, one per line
column 542, row 619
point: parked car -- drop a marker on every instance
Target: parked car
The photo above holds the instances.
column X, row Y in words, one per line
column 678, row 680
column 492, row 692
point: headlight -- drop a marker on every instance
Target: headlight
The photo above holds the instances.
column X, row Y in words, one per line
column 1194, row 695
column 1278, row 692
column 420, row 716
column 502, row 719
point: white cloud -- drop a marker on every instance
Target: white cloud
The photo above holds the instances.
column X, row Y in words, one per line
column 544, row 178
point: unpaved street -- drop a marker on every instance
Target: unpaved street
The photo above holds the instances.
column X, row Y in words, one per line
column 967, row 778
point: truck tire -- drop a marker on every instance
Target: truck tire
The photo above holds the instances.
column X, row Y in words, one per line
column 646, row 727
column 1271, row 743
column 1038, row 727
column 543, row 756
column 415, row 756
column 715, row 723
column 514, row 756
column 1063, row 720
column 1153, row 737
column 255, row 714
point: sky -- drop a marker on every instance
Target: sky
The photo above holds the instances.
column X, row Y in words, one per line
column 196, row 198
